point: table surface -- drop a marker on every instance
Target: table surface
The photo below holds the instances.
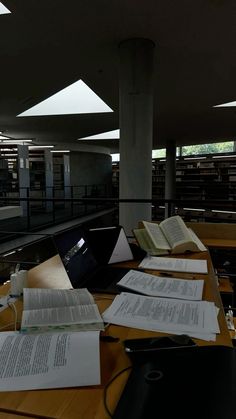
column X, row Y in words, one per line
column 87, row 402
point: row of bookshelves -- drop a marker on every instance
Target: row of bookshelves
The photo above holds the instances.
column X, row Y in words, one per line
column 198, row 179
column 9, row 170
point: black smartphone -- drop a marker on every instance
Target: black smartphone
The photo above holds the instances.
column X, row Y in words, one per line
column 156, row 343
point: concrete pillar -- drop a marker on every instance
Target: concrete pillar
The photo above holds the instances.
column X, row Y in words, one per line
column 170, row 176
column 136, row 130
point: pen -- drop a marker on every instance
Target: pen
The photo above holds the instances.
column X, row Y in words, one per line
column 167, row 274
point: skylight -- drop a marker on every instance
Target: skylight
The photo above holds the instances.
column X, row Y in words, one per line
column 228, row 104
column 74, row 99
column 3, row 10
column 114, row 134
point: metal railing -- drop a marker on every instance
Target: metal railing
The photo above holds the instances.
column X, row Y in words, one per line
column 43, row 211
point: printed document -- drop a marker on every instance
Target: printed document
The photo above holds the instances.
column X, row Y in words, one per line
column 159, row 286
column 174, row 264
column 48, row 360
column 163, row 314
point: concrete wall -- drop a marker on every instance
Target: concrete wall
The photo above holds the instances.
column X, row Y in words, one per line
column 90, row 169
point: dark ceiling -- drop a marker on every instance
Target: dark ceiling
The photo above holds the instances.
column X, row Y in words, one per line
column 45, row 45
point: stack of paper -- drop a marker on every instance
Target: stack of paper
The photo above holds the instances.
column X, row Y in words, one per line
column 194, row 318
column 159, row 286
column 174, row 264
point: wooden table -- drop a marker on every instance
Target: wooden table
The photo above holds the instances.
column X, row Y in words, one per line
column 216, row 235
column 87, row 402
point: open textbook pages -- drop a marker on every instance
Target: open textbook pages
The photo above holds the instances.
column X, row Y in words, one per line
column 170, row 236
column 161, row 263
column 59, row 309
column 49, row 360
column 193, row 318
column 159, row 286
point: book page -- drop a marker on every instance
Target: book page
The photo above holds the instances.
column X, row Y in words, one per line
column 175, row 230
column 41, row 361
column 156, row 235
column 198, row 242
column 146, row 243
column 153, row 285
column 83, row 317
column 47, row 298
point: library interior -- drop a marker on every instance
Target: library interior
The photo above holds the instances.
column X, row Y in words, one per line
column 117, row 209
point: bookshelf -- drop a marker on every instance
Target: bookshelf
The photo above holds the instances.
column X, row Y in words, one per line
column 115, row 179
column 198, row 179
column 58, row 172
column 37, row 171
column 9, row 179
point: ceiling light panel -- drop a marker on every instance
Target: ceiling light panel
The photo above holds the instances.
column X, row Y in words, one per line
column 114, row 134
column 3, row 10
column 77, row 98
column 225, row 105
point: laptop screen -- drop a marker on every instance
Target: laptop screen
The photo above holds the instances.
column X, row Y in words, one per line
column 76, row 255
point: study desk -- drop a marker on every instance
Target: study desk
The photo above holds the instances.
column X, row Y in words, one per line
column 215, row 235
column 87, row 402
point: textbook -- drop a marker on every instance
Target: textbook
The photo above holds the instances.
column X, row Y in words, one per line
column 170, row 236
column 59, row 310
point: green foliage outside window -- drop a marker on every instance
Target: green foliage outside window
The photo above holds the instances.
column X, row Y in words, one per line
column 224, row 147
column 213, row 148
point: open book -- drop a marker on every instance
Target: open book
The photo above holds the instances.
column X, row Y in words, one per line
column 59, row 310
column 170, row 236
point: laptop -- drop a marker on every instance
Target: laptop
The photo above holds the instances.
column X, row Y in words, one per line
column 189, row 383
column 89, row 265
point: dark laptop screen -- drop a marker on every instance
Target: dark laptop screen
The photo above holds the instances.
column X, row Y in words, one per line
column 76, row 255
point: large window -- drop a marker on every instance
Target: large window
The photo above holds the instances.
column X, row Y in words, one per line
column 212, row 148
column 223, row 147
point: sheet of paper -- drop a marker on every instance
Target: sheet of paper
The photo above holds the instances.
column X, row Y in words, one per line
column 159, row 286
column 47, row 360
column 162, row 314
column 174, row 264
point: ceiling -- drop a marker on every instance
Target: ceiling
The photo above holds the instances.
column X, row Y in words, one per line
column 46, row 45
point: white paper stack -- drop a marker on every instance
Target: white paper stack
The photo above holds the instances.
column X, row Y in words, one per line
column 174, row 264
column 159, row 286
column 194, row 318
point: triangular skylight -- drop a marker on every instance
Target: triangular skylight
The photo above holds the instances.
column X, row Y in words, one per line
column 3, row 10
column 225, row 105
column 74, row 99
column 114, row 134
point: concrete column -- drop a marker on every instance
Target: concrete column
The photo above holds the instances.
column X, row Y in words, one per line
column 170, row 176
column 23, row 175
column 136, row 130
